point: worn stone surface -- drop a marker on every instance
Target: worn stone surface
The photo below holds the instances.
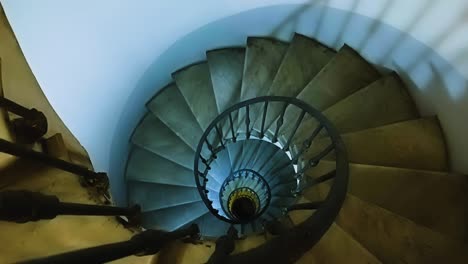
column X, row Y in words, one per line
column 155, row 136
column 175, row 217
column 414, row 144
column 304, row 58
column 170, row 107
column 394, row 239
column 383, row 102
column 194, row 82
column 153, row 196
column 262, row 60
column 146, row 166
column 436, row 200
column 226, row 69
column 336, row 246
column 346, row 73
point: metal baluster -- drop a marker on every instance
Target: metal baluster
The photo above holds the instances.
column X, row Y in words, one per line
column 204, row 161
column 326, row 177
column 296, row 126
column 220, row 136
column 210, row 148
column 315, row 160
column 265, row 109
column 279, row 123
column 307, row 143
column 247, row 122
column 232, row 128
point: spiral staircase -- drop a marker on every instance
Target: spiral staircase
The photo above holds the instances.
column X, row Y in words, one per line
column 315, row 152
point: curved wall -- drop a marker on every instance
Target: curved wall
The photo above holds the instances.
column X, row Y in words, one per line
column 100, row 59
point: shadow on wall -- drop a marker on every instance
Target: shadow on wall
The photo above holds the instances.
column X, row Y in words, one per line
column 436, row 86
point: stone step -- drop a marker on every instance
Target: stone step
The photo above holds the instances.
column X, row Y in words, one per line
column 304, row 58
column 194, row 82
column 419, row 195
column 395, row 239
column 152, row 134
column 336, row 246
column 383, row 102
column 171, row 108
column 346, row 73
column 152, row 196
column 226, row 69
column 175, row 217
column 263, row 57
column 414, row 144
column 149, row 167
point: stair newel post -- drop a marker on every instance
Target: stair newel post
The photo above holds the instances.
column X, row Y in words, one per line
column 32, row 124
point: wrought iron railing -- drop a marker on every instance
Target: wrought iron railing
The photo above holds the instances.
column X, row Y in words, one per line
column 297, row 139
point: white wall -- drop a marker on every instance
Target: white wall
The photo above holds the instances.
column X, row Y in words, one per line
column 111, row 56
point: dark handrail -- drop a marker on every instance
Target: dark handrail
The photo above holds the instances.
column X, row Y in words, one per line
column 23, row 152
column 31, row 126
column 25, row 206
column 148, row 242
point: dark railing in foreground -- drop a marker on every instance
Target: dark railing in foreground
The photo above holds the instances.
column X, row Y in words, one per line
column 26, row 206
column 31, row 125
column 148, row 242
column 91, row 177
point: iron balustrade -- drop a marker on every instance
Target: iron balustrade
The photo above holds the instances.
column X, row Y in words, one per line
column 304, row 156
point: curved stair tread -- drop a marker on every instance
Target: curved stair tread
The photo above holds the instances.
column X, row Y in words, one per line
column 337, row 246
column 172, row 218
column 235, row 153
column 419, row 195
column 212, row 227
column 152, row 134
column 194, row 82
column 304, row 59
column 249, row 151
column 395, row 239
column 144, row 165
column 170, row 107
column 414, row 144
column 226, row 69
column 383, row 102
column 152, row 196
column 263, row 57
column 265, row 156
column 346, row 73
